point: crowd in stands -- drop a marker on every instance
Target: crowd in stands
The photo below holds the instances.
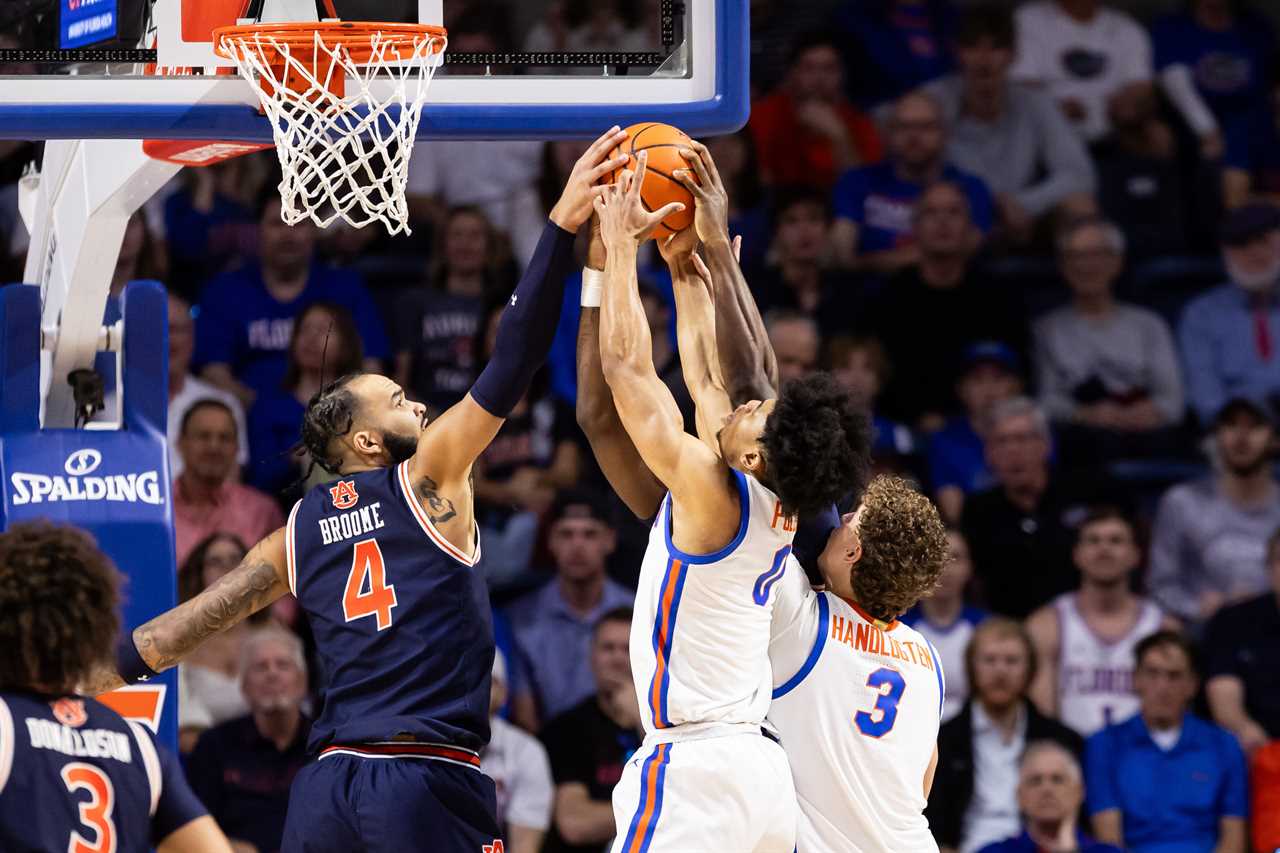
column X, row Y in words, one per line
column 1041, row 243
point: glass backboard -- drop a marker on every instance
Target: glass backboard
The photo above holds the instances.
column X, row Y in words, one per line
column 131, row 69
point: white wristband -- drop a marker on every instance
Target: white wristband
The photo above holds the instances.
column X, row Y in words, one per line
column 592, row 287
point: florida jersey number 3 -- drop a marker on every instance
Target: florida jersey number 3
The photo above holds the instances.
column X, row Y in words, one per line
column 878, row 722
column 368, row 593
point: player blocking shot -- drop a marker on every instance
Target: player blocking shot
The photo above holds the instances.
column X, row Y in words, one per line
column 858, row 695
column 382, row 561
column 74, row 775
column 707, row 778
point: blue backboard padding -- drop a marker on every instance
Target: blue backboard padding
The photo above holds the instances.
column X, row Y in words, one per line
column 114, row 484
column 19, row 358
column 724, row 112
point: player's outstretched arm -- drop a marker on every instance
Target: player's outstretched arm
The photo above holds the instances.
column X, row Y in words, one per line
column 450, row 446
column 161, row 643
column 597, row 415
column 746, row 357
column 645, row 405
column 696, row 334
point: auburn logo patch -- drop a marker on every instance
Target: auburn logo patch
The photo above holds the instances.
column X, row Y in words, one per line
column 344, row 494
column 69, row 712
column 495, row 847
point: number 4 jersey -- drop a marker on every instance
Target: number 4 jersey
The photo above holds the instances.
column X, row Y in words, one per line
column 857, row 704
column 400, row 616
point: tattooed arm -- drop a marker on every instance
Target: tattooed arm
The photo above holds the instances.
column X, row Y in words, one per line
column 260, row 579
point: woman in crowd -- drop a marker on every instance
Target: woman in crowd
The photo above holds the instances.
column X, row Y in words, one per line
column 209, row 680
column 325, row 345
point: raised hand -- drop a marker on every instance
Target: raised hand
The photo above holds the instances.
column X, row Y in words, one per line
column 711, row 211
column 679, row 247
column 623, row 218
column 574, row 206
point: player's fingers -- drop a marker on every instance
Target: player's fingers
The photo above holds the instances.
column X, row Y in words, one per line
column 603, row 144
column 699, row 167
column 685, row 177
column 704, row 154
column 737, row 248
column 605, row 168
column 642, row 165
column 598, row 203
column 665, row 211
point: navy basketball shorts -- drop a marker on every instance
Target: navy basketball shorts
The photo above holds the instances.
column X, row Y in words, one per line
column 349, row 804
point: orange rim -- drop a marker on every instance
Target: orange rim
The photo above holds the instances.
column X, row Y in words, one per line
column 355, row 36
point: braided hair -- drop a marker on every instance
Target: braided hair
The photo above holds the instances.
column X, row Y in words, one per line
column 330, row 414
column 58, row 598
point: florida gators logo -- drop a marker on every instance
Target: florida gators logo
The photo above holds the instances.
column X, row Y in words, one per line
column 495, row 847
column 344, row 494
column 69, row 712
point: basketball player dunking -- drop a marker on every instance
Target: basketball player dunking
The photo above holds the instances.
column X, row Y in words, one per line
column 706, row 778
column 382, row 562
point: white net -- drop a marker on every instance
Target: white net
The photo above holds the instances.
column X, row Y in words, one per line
column 343, row 151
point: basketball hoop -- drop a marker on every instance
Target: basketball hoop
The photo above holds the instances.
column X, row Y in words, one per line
column 344, row 154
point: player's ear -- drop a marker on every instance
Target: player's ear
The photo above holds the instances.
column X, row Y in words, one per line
column 752, row 461
column 857, row 549
column 365, row 442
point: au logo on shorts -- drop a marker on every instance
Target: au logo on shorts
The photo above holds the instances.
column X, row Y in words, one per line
column 495, row 847
column 344, row 494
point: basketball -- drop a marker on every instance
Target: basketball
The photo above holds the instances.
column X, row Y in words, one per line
column 660, row 187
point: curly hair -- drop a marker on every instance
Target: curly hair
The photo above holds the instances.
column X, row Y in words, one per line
column 58, row 599
column 816, row 445
column 904, row 548
column 330, row 413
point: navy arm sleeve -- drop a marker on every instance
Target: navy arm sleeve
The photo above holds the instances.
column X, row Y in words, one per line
column 178, row 804
column 528, row 324
column 810, row 540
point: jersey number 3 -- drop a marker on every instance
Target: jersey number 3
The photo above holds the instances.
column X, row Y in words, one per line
column 95, row 813
column 879, row 721
column 377, row 597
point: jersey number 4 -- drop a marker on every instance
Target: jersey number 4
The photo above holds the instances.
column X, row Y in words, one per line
column 95, row 813
column 374, row 598
column 879, row 721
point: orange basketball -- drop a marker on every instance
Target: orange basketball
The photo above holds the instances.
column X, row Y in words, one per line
column 660, row 186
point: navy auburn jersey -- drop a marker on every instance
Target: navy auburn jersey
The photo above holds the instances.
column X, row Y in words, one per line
column 74, row 776
column 400, row 616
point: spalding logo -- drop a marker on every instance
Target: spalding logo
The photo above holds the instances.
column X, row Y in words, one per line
column 133, row 487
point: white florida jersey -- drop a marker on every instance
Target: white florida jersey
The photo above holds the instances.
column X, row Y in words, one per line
column 857, row 705
column 700, row 634
column 1095, row 675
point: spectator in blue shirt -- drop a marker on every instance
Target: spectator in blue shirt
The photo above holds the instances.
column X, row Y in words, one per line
column 325, row 345
column 1050, row 793
column 990, row 374
column 1213, row 59
column 874, row 205
column 1165, row 781
column 246, row 316
column 1230, row 336
column 893, row 46
column 553, row 624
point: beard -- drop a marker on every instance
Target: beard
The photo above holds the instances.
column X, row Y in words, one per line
column 1254, row 281
column 400, row 447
